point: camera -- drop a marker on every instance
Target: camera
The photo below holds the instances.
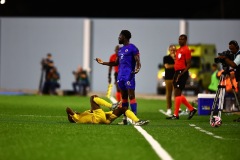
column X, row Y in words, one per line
column 227, row 54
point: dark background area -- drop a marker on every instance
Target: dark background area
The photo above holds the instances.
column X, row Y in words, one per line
column 199, row 9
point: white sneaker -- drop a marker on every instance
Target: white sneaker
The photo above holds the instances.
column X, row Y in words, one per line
column 169, row 111
column 142, row 122
column 184, row 112
column 130, row 121
column 180, row 110
column 124, row 122
column 115, row 105
column 121, row 123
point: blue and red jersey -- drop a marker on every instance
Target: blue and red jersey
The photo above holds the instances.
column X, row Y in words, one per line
column 127, row 62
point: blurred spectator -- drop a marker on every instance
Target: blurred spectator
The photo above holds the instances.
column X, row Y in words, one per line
column 52, row 81
column 213, row 86
column 81, row 83
column 46, row 65
column 205, row 78
column 168, row 62
column 234, row 64
column 231, row 87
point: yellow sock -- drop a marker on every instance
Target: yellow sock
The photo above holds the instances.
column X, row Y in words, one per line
column 102, row 102
column 112, row 117
column 131, row 115
column 75, row 117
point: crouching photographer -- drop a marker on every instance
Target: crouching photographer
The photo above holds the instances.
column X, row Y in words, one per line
column 233, row 62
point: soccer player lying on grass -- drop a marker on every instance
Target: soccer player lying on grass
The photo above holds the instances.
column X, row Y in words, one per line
column 96, row 115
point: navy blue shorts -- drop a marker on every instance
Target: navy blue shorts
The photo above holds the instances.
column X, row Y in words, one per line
column 125, row 85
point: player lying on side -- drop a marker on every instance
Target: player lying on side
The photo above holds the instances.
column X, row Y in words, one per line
column 96, row 115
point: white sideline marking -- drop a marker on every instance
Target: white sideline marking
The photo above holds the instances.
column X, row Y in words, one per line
column 162, row 154
column 155, row 145
column 206, row 132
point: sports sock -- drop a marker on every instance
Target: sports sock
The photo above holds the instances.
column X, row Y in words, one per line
column 112, row 117
column 133, row 105
column 186, row 103
column 102, row 102
column 124, row 117
column 177, row 105
column 131, row 115
column 125, row 104
column 118, row 96
column 75, row 117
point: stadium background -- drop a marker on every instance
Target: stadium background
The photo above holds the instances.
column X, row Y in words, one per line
column 30, row 30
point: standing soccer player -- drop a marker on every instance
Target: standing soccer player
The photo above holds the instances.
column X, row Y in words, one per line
column 181, row 66
column 128, row 61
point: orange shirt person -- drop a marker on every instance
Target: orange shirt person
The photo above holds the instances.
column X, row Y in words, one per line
column 113, row 59
column 181, row 66
column 229, row 85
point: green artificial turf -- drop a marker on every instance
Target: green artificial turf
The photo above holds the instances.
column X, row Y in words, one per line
column 35, row 127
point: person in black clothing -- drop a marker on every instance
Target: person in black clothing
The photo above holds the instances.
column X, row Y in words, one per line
column 235, row 64
column 234, row 48
column 168, row 62
column 52, row 81
column 46, row 66
column 81, row 82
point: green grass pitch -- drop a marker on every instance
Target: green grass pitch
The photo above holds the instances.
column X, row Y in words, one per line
column 35, row 127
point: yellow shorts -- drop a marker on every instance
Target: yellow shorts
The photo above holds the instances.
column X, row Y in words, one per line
column 98, row 116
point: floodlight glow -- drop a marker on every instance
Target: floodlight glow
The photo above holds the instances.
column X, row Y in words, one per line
column 2, row 1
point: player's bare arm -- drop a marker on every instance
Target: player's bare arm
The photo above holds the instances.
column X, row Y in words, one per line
column 138, row 64
column 100, row 61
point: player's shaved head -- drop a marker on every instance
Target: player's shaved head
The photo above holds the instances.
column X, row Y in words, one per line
column 126, row 34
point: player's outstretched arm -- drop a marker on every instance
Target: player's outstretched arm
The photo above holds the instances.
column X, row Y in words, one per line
column 100, row 61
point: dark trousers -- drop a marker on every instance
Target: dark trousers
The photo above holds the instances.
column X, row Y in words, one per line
column 50, row 87
column 80, row 88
